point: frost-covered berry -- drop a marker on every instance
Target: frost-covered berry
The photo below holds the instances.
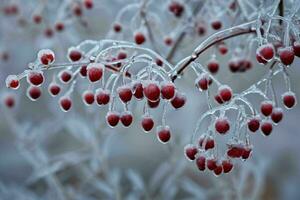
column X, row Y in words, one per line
column 46, row 56
column 112, row 118
column 225, row 92
column 125, row 93
column 190, row 152
column 253, row 124
column 277, row 115
column 35, row 78
column 296, row 48
column 266, row 127
column 74, row 55
column 88, row 97
column 167, row 90
column 153, row 104
column 65, row 76
column 216, row 24
column 219, row 99
column 222, row 125
column 235, row 150
column 247, row 150
column 201, row 29
column 147, row 123
column 83, row 71
column 266, row 108
column 138, row 90
column 95, row 72
column 178, row 101
column 151, row 90
column 211, row 163
column 201, row 162
column 102, row 96
column 289, row 99
column 139, row 38
column 12, row 81
column 265, row 52
column 65, row 103
column 286, row 55
column 213, row 66
column 203, row 82
column 126, row 118
column 206, row 142
column 54, row 89
column 218, row 170
column 223, row 49
column 34, row 93
column 163, row 134
column 227, row 166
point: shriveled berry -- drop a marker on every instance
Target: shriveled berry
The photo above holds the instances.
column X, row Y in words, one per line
column 34, row 93
column 289, row 99
column 167, row 90
column 35, row 78
column 88, row 97
column 266, row 108
column 112, row 118
column 102, row 96
column 126, row 118
column 190, row 152
column 266, row 127
column 222, row 125
column 12, row 81
column 178, row 101
column 147, row 123
column 253, row 124
column 65, row 103
column 163, row 134
column 94, row 72
column 54, row 89
column 277, row 115
column 286, row 55
column 151, row 91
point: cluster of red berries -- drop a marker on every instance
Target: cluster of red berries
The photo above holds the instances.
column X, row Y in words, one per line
column 176, row 8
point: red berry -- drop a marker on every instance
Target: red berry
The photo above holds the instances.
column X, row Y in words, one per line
column 223, row 49
column 176, row 8
column 167, row 90
column 112, row 118
column 296, row 48
column 147, row 123
column 219, row 99
column 222, row 125
column 153, row 104
column 35, row 78
column 77, row 11
column 159, row 62
column 225, row 92
column 46, row 56
column 48, row 32
column 265, row 52
column 117, row 27
column 227, row 166
column 200, row 162
column 211, row 163
column 289, row 99
column 178, row 101
column 266, row 127
column 139, row 38
column 126, row 118
column 266, row 108
column 65, row 76
column 218, row 170
column 54, row 89
column 9, row 100
column 138, row 90
column 208, row 141
column 235, row 151
column 234, row 65
column 190, row 152
column 59, row 26
column 261, row 60
column 201, row 29
column 94, row 72
column 203, row 82
column 125, row 93
column 286, row 55
column 12, row 81
column 168, row 41
column 88, row 4
column 75, row 55
column 65, row 103
column 246, row 152
column 102, row 96
column 37, row 19
column 213, row 66
column 253, row 124
column 83, row 71
column 34, row 93
column 216, row 25
column 122, row 55
column 151, row 91
column 277, row 115
column 163, row 134
column 88, row 97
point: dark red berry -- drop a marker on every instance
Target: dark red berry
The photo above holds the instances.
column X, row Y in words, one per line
column 12, row 81
column 88, row 97
column 266, row 108
column 216, row 25
column 94, row 72
column 222, row 125
column 227, row 166
column 117, row 27
column 139, row 38
column 54, row 89
column 176, row 8
column 201, row 163
column 167, row 90
column 265, row 52
column 147, row 123
column 102, row 96
column 112, row 118
column 246, row 152
column 223, row 49
column 203, row 81
column 35, row 78
column 65, row 103
column 125, row 93
column 9, row 101
column 289, row 99
column 178, row 101
column 211, row 163
column 286, row 55
column 65, row 76
column 296, row 48
column 126, row 118
column 75, row 55
column 213, row 66
column 190, row 152
column 88, row 4
column 152, row 91
column 253, row 124
column 34, row 93
column 266, row 128
column 37, row 19
column 219, row 99
column 277, row 115
column 218, row 170
column 138, row 90
column 59, row 26
column 163, row 134
column 46, row 56
column 225, row 92
column 235, row 151
column 153, row 104
column 83, row 71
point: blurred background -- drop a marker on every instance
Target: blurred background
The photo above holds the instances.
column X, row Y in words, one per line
column 48, row 154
